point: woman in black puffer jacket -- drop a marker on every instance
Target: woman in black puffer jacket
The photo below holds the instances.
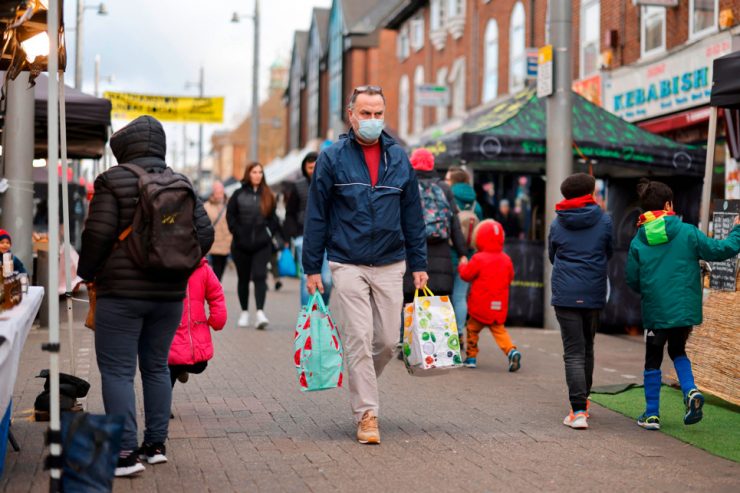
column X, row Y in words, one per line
column 439, row 259
column 253, row 223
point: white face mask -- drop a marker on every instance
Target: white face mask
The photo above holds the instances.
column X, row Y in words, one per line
column 370, row 129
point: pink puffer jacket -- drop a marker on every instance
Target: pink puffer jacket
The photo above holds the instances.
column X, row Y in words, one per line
column 192, row 342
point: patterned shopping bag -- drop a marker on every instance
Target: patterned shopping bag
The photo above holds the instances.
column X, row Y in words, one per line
column 318, row 349
column 430, row 335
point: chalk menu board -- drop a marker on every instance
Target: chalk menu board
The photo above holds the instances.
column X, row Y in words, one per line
column 724, row 273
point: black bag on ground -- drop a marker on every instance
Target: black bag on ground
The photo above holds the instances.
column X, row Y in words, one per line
column 71, row 388
column 90, row 447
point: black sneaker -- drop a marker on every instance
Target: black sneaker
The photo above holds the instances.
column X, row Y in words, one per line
column 278, row 285
column 129, row 465
column 153, row 453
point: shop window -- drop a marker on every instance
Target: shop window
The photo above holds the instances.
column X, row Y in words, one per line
column 418, row 109
column 403, row 107
column 652, row 30
column 703, row 16
column 590, row 32
column 517, row 51
column 490, row 74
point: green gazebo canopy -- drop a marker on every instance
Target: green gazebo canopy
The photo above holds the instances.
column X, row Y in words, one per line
column 512, row 135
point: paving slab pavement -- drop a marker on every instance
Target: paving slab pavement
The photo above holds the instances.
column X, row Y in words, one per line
column 244, row 426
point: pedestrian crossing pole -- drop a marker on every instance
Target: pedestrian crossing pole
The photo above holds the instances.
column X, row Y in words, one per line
column 559, row 131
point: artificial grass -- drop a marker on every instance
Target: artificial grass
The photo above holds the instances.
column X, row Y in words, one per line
column 718, row 433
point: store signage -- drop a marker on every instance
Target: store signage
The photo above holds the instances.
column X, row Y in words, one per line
column 532, row 57
column 544, row 71
column 127, row 106
column 432, row 95
column 677, row 82
column 589, row 88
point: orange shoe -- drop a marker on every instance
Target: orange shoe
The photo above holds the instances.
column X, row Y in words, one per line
column 367, row 429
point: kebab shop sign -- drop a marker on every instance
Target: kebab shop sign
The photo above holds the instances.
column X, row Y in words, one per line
column 679, row 81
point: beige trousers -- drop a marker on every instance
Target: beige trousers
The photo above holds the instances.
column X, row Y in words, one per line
column 370, row 300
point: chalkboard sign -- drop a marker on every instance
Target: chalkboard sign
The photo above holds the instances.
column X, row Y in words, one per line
column 724, row 273
column 526, row 295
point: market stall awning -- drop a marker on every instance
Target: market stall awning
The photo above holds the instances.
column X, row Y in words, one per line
column 88, row 119
column 726, row 81
column 512, row 135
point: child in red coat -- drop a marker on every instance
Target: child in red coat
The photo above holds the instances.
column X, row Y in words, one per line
column 490, row 273
column 192, row 346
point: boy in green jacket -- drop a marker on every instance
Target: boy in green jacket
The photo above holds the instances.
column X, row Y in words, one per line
column 663, row 267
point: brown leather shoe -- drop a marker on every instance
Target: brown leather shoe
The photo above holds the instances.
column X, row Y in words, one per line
column 367, row 429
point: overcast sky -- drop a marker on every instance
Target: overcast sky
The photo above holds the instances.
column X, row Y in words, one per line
column 157, row 46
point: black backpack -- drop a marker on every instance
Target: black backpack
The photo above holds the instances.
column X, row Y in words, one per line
column 163, row 237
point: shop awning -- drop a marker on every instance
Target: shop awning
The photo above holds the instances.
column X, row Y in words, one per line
column 726, row 82
column 512, row 135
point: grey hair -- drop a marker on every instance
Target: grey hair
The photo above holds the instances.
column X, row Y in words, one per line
column 504, row 202
column 369, row 92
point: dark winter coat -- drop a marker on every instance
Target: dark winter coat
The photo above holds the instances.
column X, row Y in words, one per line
column 143, row 143
column 295, row 207
column 439, row 258
column 579, row 247
column 251, row 229
column 356, row 222
column 490, row 272
column 663, row 267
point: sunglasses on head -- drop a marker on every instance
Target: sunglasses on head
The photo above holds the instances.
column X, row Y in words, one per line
column 364, row 89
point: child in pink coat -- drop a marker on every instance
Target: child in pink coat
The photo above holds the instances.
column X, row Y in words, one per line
column 192, row 346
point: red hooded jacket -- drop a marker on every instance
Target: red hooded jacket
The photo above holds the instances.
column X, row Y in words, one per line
column 491, row 272
column 192, row 342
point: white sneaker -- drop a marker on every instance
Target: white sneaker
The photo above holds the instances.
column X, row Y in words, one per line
column 577, row 421
column 262, row 321
column 243, row 319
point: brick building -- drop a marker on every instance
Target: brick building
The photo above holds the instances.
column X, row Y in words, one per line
column 231, row 149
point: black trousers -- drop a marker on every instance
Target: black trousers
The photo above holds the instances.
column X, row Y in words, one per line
column 578, row 328
column 655, row 341
column 252, row 266
column 218, row 264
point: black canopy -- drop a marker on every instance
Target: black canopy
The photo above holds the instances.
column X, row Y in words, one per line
column 512, row 135
column 88, row 119
column 726, row 82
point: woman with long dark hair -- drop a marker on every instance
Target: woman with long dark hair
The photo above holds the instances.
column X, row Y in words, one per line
column 252, row 220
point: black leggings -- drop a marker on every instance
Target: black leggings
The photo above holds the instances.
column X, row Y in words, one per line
column 175, row 370
column 218, row 264
column 252, row 266
column 676, row 338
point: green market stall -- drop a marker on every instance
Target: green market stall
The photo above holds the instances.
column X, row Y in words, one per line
column 505, row 145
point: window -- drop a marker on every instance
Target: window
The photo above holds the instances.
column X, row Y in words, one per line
column 418, row 109
column 457, row 83
column 702, row 16
column 517, row 51
column 652, row 30
column 403, row 43
column 590, row 34
column 437, row 15
column 403, row 107
column 455, row 8
column 490, row 61
column 336, row 47
column 441, row 113
column 417, row 33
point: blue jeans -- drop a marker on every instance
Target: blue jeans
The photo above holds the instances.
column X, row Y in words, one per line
column 460, row 303
column 127, row 330
column 325, row 274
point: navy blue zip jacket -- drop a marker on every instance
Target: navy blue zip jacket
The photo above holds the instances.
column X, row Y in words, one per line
column 358, row 223
column 580, row 245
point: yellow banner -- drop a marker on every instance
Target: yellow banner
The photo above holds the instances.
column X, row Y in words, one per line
column 127, row 106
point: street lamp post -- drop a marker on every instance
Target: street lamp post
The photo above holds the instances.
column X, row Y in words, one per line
column 98, row 78
column 254, row 147
column 201, row 92
column 81, row 8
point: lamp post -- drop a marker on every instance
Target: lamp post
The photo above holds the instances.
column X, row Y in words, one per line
column 98, row 78
column 81, row 8
column 201, row 92
column 253, row 150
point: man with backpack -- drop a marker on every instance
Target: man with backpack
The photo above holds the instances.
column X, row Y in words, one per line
column 145, row 233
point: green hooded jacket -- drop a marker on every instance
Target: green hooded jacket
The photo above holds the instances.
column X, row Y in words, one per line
column 663, row 267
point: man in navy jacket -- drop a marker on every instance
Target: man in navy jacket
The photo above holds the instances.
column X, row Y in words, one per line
column 364, row 209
